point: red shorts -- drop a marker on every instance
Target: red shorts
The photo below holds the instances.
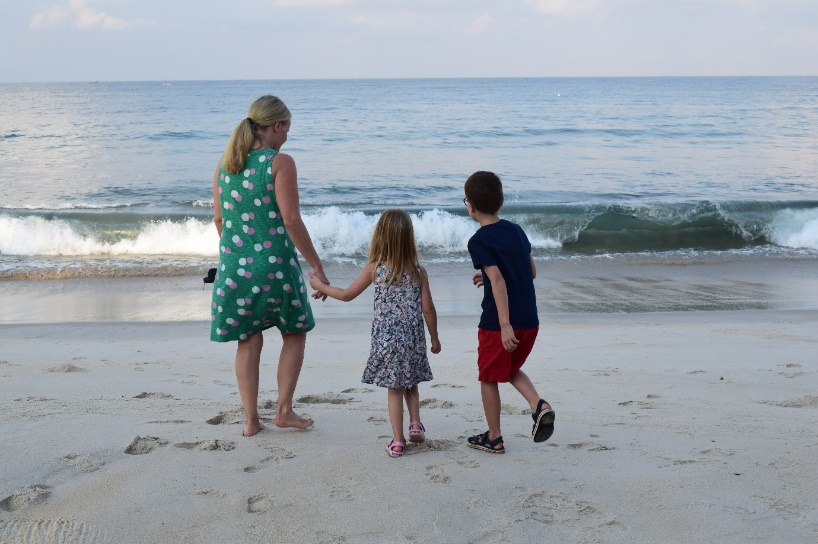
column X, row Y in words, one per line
column 494, row 363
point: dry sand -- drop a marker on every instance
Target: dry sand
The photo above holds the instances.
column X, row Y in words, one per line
column 671, row 427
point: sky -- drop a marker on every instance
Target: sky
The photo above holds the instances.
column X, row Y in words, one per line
column 166, row 40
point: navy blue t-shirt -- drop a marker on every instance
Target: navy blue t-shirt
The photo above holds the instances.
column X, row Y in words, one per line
column 505, row 245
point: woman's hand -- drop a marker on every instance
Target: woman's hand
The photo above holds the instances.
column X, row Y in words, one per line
column 317, row 279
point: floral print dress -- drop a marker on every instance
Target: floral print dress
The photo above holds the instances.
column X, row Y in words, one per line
column 397, row 358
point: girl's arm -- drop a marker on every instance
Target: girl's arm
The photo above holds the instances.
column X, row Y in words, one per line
column 217, row 204
column 355, row 288
column 286, row 191
column 429, row 312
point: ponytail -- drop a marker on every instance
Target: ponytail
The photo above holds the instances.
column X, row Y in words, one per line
column 264, row 111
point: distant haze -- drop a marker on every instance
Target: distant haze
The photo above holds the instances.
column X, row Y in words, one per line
column 119, row 40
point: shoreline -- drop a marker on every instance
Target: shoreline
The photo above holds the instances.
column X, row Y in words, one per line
column 620, row 284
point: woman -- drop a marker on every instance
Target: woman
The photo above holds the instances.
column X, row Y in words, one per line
column 259, row 283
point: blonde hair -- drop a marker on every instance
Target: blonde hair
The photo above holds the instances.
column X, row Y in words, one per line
column 264, row 111
column 393, row 244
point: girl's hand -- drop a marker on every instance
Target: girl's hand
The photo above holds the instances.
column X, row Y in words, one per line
column 477, row 279
column 316, row 282
column 435, row 346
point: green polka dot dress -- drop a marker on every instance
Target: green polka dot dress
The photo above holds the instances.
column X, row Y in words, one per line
column 259, row 283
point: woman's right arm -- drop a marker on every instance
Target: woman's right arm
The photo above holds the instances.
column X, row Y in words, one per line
column 217, row 204
column 286, row 191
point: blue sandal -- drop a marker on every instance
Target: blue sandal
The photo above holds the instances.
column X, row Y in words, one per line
column 543, row 422
column 481, row 442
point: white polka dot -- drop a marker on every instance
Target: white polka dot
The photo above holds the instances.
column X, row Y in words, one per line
column 262, row 158
column 246, row 173
column 245, row 217
column 242, row 261
column 228, row 224
column 240, row 311
column 256, row 289
column 257, row 202
column 258, row 247
column 240, row 302
column 229, row 320
column 280, row 230
column 227, row 179
column 240, row 271
column 220, row 309
column 234, row 193
column 279, row 276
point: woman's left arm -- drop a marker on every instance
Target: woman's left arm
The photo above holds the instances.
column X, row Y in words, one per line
column 217, row 204
column 286, row 191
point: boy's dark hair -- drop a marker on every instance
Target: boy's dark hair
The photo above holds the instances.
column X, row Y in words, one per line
column 485, row 192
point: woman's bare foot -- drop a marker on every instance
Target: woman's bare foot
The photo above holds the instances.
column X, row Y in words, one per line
column 252, row 429
column 291, row 419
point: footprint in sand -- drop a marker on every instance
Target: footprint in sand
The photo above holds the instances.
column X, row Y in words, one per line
column 144, row 444
column 83, row 463
column 449, row 385
column 162, row 421
column 341, row 494
column 515, row 410
column 28, row 496
column 358, row 390
column 436, row 403
column 326, row 398
column 277, row 455
column 50, row 530
column 557, row 508
column 431, row 444
column 208, row 445
column 377, row 420
column 437, row 474
column 803, row 402
column 258, row 504
column 146, row 395
column 463, row 459
column 589, row 446
column 65, row 367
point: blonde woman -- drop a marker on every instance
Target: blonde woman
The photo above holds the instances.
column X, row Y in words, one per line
column 397, row 358
column 259, row 283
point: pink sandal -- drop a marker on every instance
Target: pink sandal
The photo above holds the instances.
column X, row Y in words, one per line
column 417, row 432
column 392, row 448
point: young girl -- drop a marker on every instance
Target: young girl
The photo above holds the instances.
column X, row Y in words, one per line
column 397, row 359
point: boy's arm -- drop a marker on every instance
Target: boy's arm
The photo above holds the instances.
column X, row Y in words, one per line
column 429, row 312
column 355, row 288
column 498, row 286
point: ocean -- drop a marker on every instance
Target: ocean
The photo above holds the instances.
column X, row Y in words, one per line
column 106, row 179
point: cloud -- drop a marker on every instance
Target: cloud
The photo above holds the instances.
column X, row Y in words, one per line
column 400, row 20
column 314, row 3
column 480, row 24
column 561, row 7
column 77, row 14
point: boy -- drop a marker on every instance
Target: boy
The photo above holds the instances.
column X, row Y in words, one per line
column 509, row 323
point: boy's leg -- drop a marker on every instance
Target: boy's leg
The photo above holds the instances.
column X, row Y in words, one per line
column 491, row 406
column 522, row 383
column 412, row 402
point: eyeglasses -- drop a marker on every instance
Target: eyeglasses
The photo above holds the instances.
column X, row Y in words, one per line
column 465, row 201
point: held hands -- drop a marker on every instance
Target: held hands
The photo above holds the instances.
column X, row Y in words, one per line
column 477, row 279
column 509, row 340
column 316, row 281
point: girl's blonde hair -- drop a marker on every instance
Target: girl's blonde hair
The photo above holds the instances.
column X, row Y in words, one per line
column 393, row 244
column 264, row 111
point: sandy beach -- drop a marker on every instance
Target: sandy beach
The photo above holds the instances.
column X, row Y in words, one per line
column 672, row 426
